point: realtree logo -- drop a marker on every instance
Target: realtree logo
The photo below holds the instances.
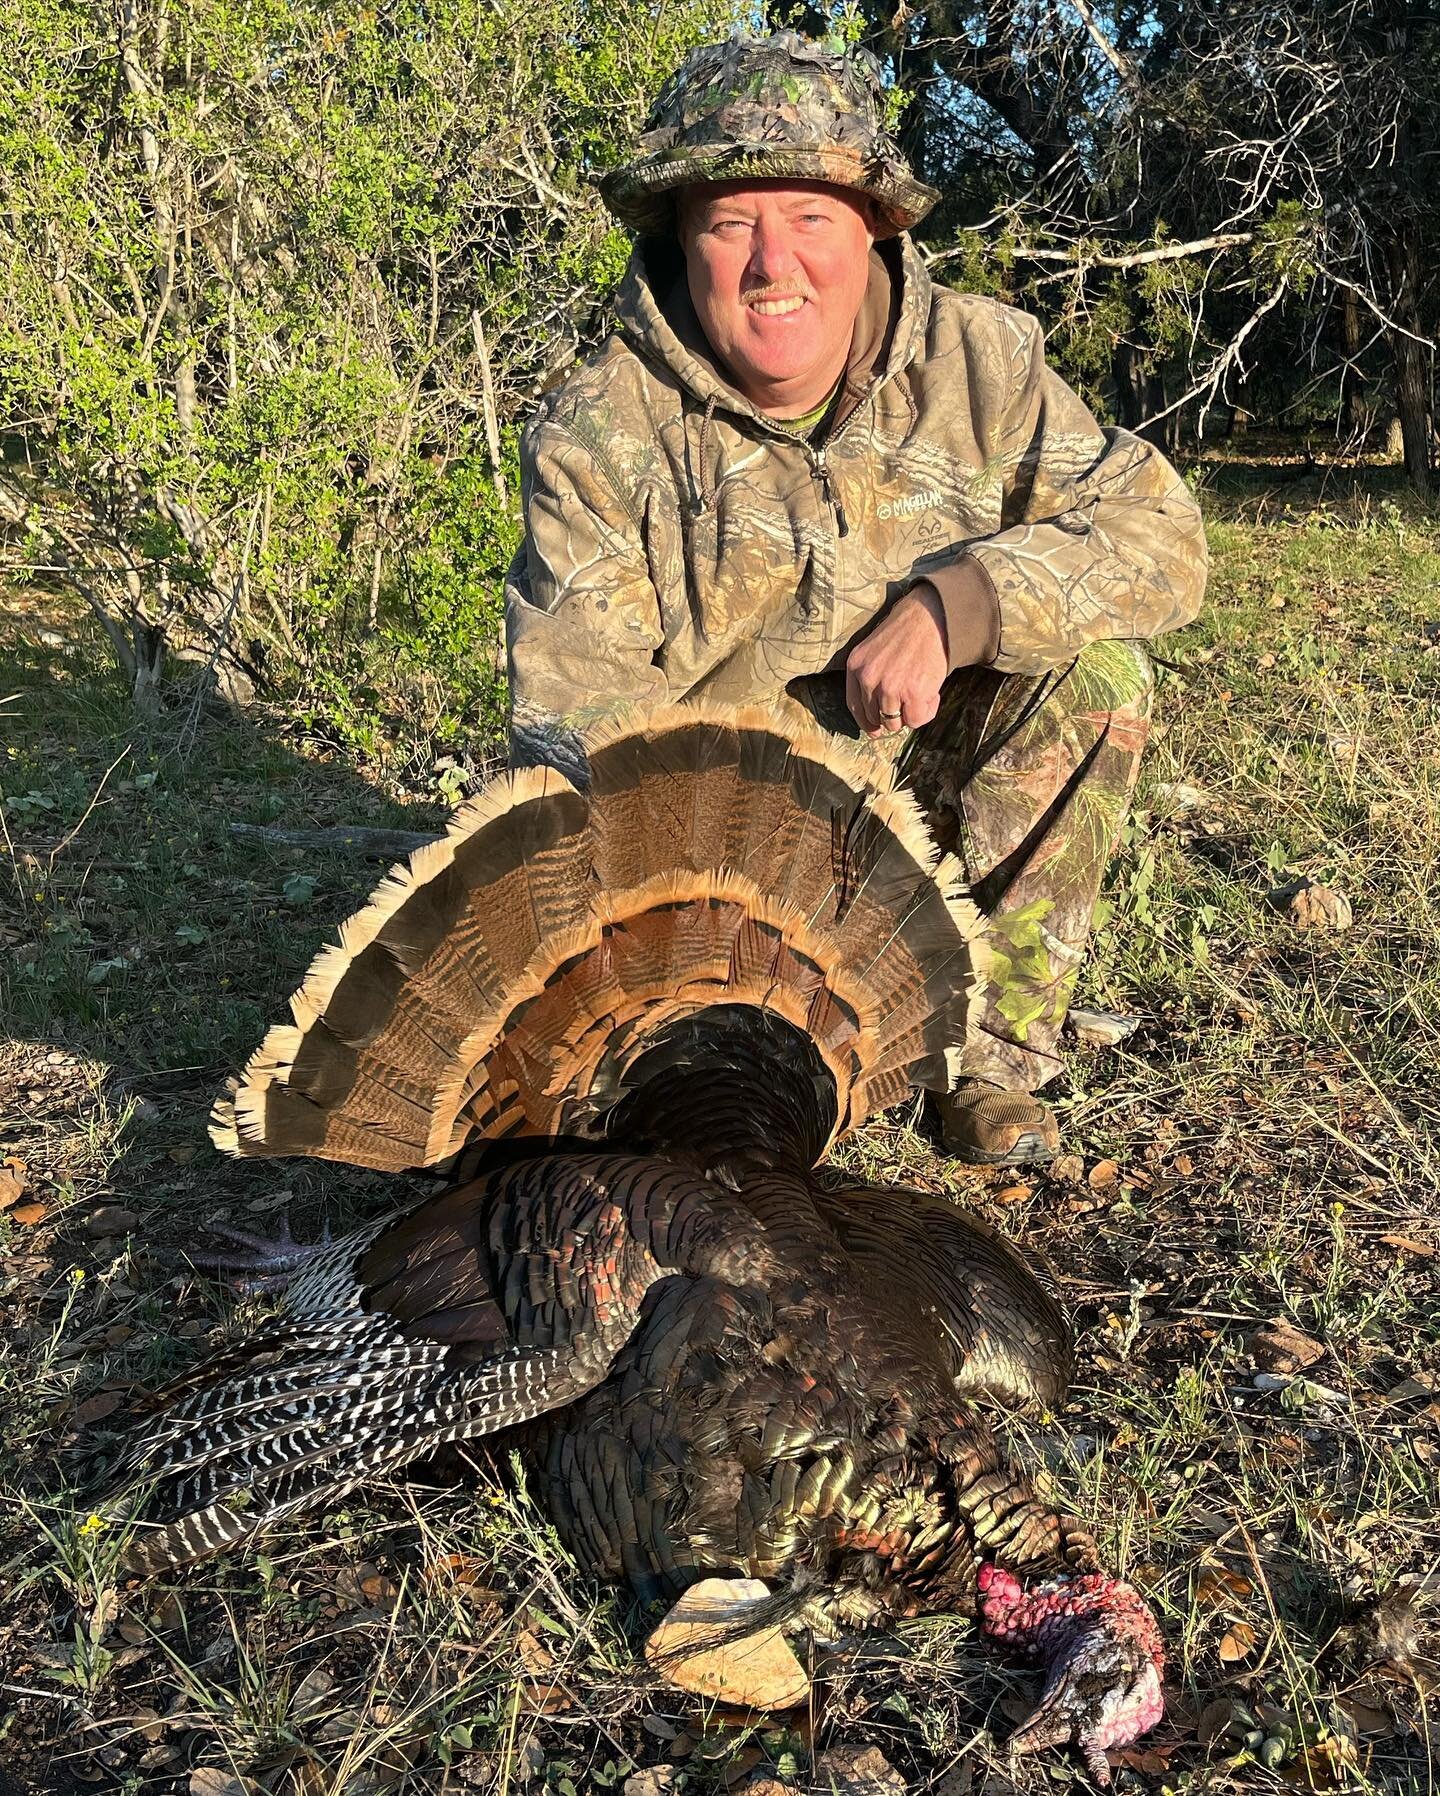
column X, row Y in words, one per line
column 909, row 505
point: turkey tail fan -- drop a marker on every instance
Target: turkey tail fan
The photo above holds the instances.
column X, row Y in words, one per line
column 511, row 977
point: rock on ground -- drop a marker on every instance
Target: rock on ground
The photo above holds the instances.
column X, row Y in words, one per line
column 757, row 1671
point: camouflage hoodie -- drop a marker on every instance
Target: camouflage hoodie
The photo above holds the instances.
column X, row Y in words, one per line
column 679, row 543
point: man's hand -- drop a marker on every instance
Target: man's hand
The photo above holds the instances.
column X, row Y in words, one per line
column 894, row 675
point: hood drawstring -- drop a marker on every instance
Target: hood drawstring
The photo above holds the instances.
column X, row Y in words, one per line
column 704, row 495
column 903, row 382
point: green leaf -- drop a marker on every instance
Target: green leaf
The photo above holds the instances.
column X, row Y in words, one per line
column 298, row 889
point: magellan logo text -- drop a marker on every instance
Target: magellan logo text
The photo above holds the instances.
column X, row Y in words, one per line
column 909, row 505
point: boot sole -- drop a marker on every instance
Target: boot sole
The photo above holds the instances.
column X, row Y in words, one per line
column 1029, row 1150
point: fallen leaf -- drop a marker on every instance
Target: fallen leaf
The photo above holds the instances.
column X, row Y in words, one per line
column 182, row 1156
column 1216, row 1584
column 1281, row 1347
column 534, row 1655
column 650, row 1780
column 858, row 1771
column 27, row 1215
column 1407, row 1244
column 13, row 1180
column 1153, row 1761
column 312, row 1693
column 211, row 1780
column 463, row 1576
column 1014, row 1194
column 1238, row 1643
column 1367, row 1718
column 1103, row 1174
column 1330, row 1764
column 169, row 1612
column 1067, row 1169
column 743, row 1763
column 380, row 1591
column 1215, row 1719
column 95, row 1409
column 544, row 1698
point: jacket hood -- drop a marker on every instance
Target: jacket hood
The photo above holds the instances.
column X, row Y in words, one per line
column 656, row 316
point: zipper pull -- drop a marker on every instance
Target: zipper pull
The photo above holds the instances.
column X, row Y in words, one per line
column 842, row 527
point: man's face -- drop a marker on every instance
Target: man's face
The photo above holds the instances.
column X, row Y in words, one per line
column 777, row 271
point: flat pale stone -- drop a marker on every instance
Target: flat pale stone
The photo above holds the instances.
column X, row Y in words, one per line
column 752, row 1671
column 1102, row 1028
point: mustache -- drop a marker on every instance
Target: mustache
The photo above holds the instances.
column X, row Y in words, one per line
column 759, row 293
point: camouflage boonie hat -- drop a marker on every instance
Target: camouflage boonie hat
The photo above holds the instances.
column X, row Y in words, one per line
column 767, row 109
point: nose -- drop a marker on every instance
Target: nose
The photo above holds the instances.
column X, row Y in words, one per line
column 772, row 254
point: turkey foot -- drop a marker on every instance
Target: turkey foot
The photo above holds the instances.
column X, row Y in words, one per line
column 1102, row 1654
column 268, row 1260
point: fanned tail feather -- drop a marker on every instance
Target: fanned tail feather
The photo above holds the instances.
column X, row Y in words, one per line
column 509, row 977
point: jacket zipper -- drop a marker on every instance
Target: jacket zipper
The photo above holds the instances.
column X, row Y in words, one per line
column 820, row 468
column 822, row 472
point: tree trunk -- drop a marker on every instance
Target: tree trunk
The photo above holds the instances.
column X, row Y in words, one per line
column 1129, row 377
column 1412, row 373
column 1355, row 417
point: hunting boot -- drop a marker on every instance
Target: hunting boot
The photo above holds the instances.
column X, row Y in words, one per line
column 987, row 1126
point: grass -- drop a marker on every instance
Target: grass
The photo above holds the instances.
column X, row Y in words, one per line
column 1264, row 1146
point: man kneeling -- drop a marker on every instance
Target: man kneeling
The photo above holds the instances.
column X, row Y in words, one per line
column 801, row 474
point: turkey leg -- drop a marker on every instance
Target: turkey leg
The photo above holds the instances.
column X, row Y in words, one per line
column 267, row 1261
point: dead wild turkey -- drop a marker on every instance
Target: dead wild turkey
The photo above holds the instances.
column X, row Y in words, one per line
column 658, row 1001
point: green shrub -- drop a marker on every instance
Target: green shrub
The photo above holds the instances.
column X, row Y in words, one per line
column 277, row 283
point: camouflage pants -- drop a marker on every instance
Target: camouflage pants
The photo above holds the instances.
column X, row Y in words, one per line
column 1028, row 781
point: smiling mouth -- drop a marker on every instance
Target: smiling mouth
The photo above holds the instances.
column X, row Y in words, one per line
column 777, row 308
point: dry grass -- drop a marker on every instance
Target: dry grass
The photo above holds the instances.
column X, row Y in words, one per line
column 1264, row 1146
